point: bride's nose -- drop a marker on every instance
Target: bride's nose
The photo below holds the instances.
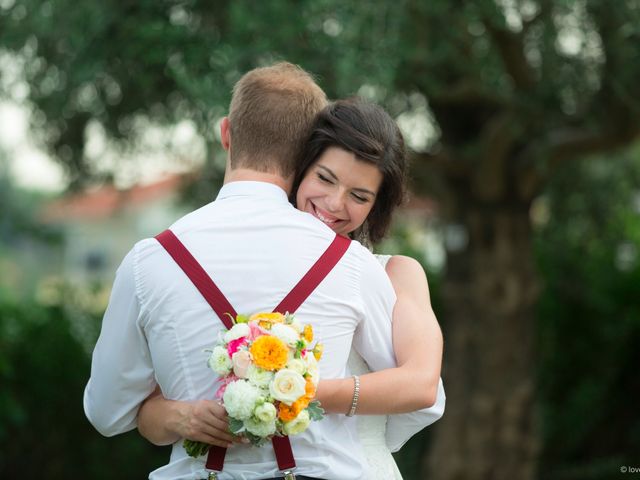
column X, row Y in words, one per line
column 334, row 202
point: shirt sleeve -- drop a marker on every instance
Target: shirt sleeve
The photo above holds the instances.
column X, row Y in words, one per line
column 122, row 375
column 401, row 427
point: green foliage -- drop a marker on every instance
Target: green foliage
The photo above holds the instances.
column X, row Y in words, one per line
column 43, row 430
column 316, row 412
column 18, row 219
column 589, row 256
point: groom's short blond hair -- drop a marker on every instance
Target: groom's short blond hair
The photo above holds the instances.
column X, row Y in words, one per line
column 271, row 112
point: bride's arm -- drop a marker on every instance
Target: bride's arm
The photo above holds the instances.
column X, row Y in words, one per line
column 411, row 386
column 164, row 422
column 417, row 343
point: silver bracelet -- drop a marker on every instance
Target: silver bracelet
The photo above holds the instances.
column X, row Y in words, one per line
column 356, row 396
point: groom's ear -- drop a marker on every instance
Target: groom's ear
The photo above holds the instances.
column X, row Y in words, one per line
column 225, row 133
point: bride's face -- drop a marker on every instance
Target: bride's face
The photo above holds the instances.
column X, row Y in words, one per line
column 339, row 190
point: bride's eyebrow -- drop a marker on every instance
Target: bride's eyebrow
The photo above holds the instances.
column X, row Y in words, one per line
column 328, row 172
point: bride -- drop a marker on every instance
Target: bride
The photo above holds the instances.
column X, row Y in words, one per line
column 350, row 177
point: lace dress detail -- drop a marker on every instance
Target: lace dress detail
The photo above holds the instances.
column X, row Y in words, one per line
column 371, row 428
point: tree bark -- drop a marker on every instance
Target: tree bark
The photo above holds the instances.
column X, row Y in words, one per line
column 489, row 430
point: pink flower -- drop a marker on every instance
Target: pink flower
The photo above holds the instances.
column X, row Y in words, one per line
column 256, row 331
column 241, row 361
column 224, row 382
column 234, row 345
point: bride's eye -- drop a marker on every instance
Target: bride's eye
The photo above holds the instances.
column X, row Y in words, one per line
column 359, row 198
column 323, row 178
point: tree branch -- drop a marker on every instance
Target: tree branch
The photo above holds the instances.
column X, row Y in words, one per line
column 443, row 162
column 510, row 46
column 567, row 144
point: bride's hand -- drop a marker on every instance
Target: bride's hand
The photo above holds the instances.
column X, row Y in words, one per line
column 164, row 422
column 204, row 421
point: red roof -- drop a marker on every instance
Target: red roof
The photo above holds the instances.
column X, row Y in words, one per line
column 106, row 200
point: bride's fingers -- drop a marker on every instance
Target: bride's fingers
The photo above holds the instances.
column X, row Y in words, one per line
column 220, row 441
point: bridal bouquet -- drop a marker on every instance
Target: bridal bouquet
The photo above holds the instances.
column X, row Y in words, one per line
column 269, row 374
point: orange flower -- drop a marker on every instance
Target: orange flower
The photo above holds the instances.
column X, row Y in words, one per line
column 266, row 320
column 269, row 353
column 287, row 413
column 309, row 389
column 307, row 333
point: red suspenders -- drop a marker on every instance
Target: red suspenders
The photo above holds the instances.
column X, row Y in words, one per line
column 221, row 306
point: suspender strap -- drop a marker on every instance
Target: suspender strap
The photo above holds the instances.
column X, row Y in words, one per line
column 198, row 276
column 220, row 305
column 295, row 298
column 314, row 276
column 214, row 297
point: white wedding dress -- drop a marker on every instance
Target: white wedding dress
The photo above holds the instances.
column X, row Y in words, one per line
column 371, row 428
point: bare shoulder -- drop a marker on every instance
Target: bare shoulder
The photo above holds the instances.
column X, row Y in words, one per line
column 403, row 266
column 406, row 274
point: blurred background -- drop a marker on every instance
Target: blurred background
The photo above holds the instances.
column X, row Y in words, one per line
column 523, row 119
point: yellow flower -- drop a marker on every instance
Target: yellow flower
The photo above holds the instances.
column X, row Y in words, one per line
column 307, row 333
column 318, row 350
column 269, row 353
column 266, row 320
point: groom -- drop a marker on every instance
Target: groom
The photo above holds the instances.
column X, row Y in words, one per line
column 256, row 247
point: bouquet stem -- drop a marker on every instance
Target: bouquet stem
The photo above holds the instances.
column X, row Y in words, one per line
column 196, row 449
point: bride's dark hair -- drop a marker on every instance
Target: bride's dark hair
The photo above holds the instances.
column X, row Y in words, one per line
column 368, row 131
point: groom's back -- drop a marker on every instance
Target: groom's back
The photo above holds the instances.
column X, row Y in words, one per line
column 256, row 247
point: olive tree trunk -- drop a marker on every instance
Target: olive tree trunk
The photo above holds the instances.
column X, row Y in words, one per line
column 489, row 430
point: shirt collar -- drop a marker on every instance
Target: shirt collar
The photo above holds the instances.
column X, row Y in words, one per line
column 244, row 188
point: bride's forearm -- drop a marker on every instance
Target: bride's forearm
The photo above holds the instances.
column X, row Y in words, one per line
column 156, row 417
column 386, row 392
column 417, row 343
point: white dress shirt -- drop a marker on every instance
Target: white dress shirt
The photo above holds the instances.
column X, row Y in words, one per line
column 256, row 247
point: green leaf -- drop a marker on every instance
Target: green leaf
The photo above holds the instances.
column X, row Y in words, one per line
column 240, row 318
column 195, row 449
column 316, row 412
column 235, row 426
column 255, row 440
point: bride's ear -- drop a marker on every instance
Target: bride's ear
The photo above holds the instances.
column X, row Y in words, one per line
column 225, row 133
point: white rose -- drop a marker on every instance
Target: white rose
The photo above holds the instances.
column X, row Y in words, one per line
column 266, row 412
column 219, row 361
column 297, row 365
column 285, row 333
column 240, row 399
column 259, row 377
column 287, row 386
column 241, row 361
column 260, row 429
column 239, row 330
column 298, row 424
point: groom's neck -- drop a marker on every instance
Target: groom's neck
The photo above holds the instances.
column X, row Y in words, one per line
column 246, row 175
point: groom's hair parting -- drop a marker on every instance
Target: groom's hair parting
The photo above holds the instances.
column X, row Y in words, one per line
column 271, row 111
column 368, row 131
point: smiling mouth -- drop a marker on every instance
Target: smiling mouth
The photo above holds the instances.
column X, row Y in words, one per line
column 325, row 218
